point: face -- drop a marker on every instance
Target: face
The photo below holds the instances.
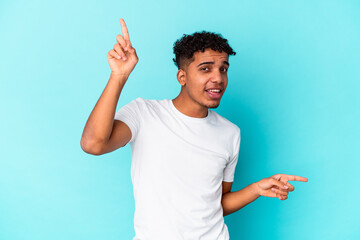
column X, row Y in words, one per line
column 205, row 79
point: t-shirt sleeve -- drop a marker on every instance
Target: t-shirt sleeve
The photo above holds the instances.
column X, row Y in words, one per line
column 130, row 115
column 229, row 170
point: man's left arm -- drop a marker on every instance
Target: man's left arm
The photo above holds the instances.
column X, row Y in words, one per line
column 274, row 186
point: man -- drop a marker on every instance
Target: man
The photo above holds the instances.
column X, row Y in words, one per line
column 183, row 154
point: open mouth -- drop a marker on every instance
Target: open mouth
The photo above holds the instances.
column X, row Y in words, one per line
column 214, row 93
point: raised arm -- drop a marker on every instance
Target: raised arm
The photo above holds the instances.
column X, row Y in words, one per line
column 102, row 133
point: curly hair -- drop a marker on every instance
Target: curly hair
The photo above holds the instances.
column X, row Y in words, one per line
column 187, row 45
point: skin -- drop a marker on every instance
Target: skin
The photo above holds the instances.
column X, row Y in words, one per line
column 194, row 80
column 102, row 134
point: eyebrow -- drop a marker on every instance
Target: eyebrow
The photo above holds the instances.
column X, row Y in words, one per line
column 225, row 62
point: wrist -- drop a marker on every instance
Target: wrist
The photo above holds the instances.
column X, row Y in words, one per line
column 119, row 76
column 255, row 189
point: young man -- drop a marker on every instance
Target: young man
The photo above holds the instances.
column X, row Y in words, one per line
column 183, row 154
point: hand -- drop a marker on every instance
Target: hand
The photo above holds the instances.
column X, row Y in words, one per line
column 277, row 185
column 122, row 59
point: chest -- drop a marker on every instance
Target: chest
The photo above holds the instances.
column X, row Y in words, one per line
column 191, row 153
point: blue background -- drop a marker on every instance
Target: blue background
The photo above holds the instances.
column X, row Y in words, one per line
column 293, row 91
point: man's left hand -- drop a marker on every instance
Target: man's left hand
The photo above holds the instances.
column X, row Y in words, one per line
column 277, row 185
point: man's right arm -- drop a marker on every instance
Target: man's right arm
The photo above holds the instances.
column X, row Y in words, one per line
column 102, row 133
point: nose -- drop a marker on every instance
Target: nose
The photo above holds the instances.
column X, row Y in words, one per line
column 217, row 77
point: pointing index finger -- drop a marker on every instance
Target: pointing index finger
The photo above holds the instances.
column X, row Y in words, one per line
column 297, row 178
column 125, row 31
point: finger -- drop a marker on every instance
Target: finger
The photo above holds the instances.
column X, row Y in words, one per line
column 119, row 51
column 289, row 177
column 280, row 192
column 114, row 54
column 280, row 184
column 130, row 49
column 283, row 197
column 125, row 31
column 121, row 42
column 296, row 178
column 280, row 196
column 291, row 187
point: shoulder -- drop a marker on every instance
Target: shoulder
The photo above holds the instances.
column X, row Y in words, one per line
column 142, row 101
column 229, row 131
column 223, row 122
column 148, row 104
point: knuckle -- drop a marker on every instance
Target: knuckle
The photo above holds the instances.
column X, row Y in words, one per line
column 118, row 49
column 120, row 38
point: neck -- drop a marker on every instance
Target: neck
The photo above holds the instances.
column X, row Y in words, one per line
column 189, row 107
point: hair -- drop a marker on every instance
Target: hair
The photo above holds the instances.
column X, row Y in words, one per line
column 187, row 45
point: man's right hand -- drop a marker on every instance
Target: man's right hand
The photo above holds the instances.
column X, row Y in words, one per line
column 122, row 58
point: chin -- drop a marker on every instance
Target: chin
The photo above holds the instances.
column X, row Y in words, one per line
column 212, row 105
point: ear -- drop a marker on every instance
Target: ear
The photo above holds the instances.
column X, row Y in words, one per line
column 181, row 77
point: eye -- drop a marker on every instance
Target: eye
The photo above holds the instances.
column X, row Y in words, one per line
column 223, row 69
column 204, row 68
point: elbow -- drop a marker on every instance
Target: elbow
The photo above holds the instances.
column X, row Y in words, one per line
column 90, row 148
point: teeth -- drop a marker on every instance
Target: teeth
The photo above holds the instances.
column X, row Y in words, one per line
column 214, row 90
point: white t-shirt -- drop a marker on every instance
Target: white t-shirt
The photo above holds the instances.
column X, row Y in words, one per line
column 178, row 164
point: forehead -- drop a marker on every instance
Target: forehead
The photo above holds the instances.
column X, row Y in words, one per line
column 210, row 55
